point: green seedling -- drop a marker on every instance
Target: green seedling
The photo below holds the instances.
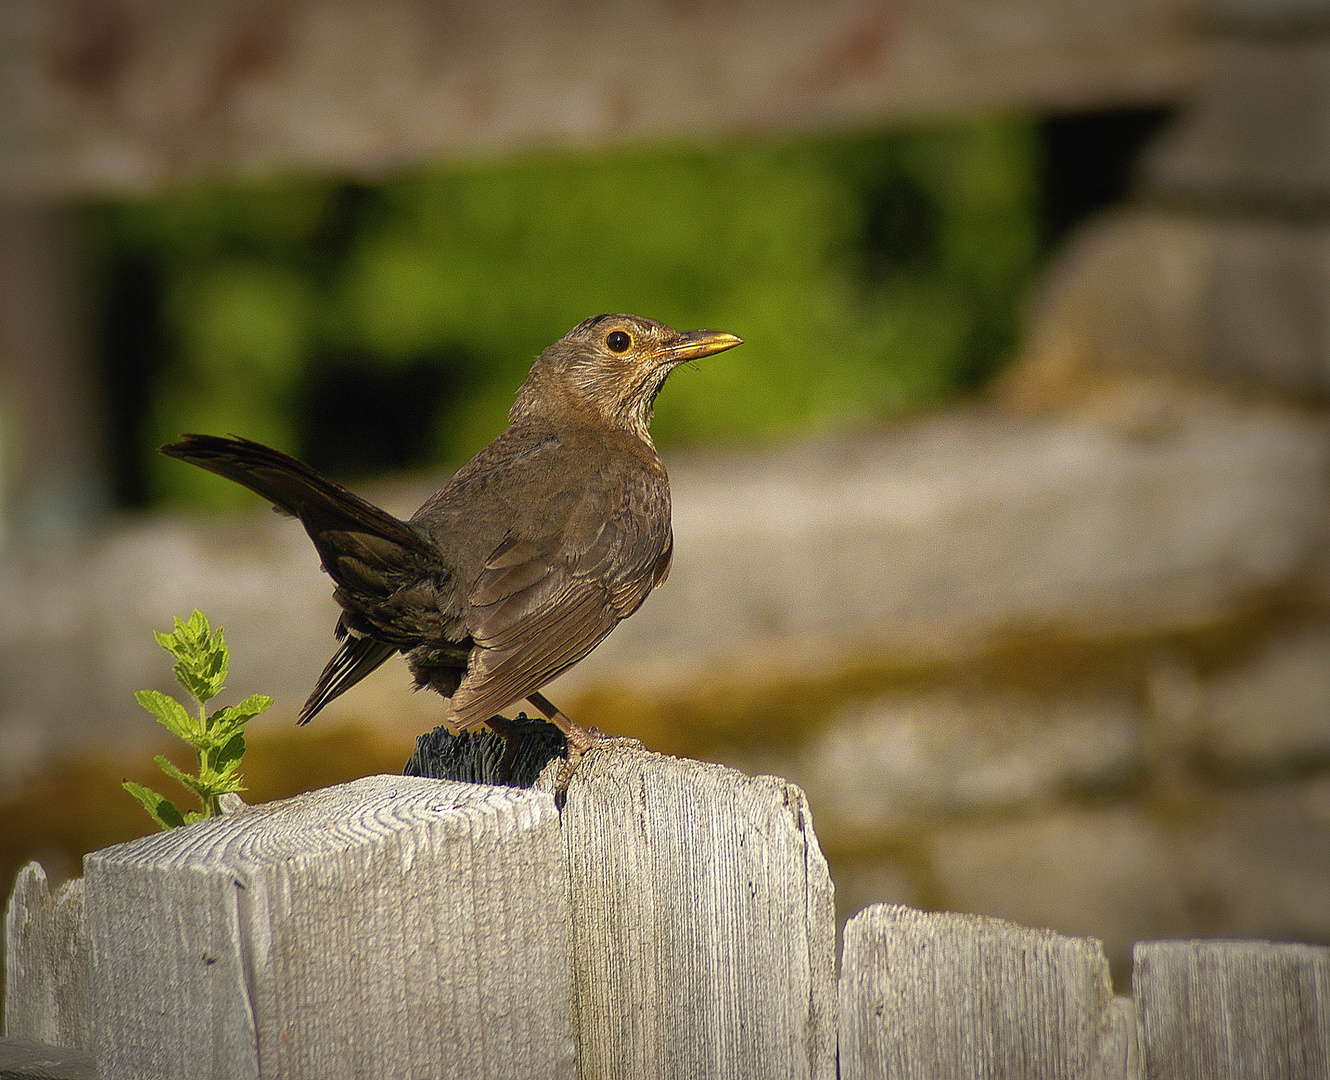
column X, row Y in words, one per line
column 218, row 737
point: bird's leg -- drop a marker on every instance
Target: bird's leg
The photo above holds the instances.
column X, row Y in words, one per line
column 580, row 739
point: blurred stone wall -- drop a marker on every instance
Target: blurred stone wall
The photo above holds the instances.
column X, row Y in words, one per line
column 1211, row 282
column 1072, row 669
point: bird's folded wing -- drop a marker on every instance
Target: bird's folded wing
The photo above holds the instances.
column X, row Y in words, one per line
column 537, row 608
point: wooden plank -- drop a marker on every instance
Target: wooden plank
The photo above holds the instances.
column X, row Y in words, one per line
column 703, row 924
column 393, row 926
column 155, row 91
column 1120, row 1043
column 48, row 994
column 1233, row 1010
column 935, row 995
column 24, row 1060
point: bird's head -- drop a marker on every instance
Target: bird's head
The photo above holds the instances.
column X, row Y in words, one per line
column 615, row 365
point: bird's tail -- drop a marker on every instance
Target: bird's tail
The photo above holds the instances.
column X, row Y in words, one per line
column 294, row 488
column 370, row 554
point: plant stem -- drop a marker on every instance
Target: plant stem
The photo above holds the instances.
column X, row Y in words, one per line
column 205, row 768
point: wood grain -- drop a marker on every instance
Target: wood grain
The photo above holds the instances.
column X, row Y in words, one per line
column 675, row 922
column 1233, row 1010
column 390, row 927
column 48, row 995
column 936, row 995
column 703, row 926
column 24, row 1060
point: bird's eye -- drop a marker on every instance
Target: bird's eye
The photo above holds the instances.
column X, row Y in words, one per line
column 619, row 341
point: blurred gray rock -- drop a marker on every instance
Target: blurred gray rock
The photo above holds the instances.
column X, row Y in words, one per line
column 862, row 880
column 76, row 624
column 1272, row 712
column 914, row 758
column 1112, row 870
column 1163, row 292
column 1257, row 133
column 1223, row 266
column 1259, row 865
column 1268, row 16
column 937, row 539
column 1252, row 863
column 93, row 103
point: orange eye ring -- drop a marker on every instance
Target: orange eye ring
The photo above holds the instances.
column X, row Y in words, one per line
column 618, row 341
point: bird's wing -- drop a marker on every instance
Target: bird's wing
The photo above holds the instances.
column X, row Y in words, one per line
column 388, row 573
column 540, row 604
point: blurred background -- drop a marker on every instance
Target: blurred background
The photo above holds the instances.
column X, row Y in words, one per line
column 1004, row 534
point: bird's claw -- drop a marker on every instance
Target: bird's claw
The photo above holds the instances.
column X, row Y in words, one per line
column 581, row 741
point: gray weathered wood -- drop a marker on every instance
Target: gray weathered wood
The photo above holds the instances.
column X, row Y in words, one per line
column 1120, row 1043
column 100, row 98
column 393, row 926
column 703, row 925
column 932, row 996
column 1233, row 1010
column 47, row 966
column 24, row 1060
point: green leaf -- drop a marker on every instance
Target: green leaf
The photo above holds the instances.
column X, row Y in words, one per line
column 228, row 757
column 234, row 717
column 230, row 782
column 161, row 809
column 201, row 665
column 201, row 657
column 169, row 713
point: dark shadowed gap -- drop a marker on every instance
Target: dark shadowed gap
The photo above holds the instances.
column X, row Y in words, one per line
column 357, row 416
column 128, row 325
column 899, row 226
column 342, row 222
column 1089, row 160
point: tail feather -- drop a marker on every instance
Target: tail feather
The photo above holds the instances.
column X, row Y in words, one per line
column 294, row 488
column 365, row 550
column 355, row 659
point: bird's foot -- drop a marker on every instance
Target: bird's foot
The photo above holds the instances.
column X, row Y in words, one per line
column 580, row 740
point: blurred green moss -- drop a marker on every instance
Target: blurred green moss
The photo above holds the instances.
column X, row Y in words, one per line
column 868, row 275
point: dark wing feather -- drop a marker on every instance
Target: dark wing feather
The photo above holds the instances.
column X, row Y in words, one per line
column 387, row 572
column 355, row 659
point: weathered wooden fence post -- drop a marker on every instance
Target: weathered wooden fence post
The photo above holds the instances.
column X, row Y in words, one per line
column 1233, row 1010
column 936, row 996
column 394, row 926
column 48, row 971
column 674, row 921
column 703, row 924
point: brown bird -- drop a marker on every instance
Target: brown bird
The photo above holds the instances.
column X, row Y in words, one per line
column 522, row 562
